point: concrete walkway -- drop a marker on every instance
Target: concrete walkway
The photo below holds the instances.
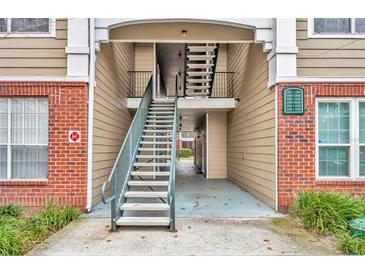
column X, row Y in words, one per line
column 194, row 236
column 215, row 217
column 197, row 196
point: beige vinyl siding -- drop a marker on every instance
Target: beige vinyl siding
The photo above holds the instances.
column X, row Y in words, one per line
column 111, row 117
column 251, row 126
column 144, row 56
column 328, row 56
column 31, row 56
column 217, row 145
column 222, row 58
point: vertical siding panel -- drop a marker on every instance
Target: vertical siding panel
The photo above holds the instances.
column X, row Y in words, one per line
column 111, row 116
column 251, row 126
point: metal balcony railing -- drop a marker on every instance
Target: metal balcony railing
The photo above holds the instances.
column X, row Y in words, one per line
column 138, row 81
column 222, row 86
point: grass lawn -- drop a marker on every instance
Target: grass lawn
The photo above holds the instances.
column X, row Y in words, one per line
column 330, row 214
column 20, row 229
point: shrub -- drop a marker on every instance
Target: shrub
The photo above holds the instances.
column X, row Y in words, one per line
column 327, row 212
column 185, row 152
column 55, row 217
column 13, row 240
column 352, row 245
column 36, row 228
column 18, row 233
column 11, row 210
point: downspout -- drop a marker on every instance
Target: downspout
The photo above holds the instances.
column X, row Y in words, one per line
column 276, row 148
column 90, row 123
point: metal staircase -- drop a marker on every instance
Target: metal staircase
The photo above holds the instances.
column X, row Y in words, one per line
column 200, row 66
column 143, row 177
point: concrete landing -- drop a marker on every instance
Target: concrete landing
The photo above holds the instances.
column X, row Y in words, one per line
column 197, row 196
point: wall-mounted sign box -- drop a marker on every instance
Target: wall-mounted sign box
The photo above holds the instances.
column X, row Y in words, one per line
column 293, row 100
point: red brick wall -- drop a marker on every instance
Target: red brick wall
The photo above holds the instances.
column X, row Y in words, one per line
column 67, row 162
column 296, row 144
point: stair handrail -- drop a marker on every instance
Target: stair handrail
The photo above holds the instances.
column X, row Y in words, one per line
column 172, row 176
column 216, row 51
column 122, row 167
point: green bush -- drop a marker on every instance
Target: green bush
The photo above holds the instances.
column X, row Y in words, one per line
column 13, row 240
column 185, row 152
column 36, row 228
column 324, row 212
column 11, row 210
column 55, row 217
column 352, row 245
column 17, row 233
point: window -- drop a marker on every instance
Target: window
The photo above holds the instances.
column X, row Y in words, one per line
column 341, row 138
column 332, row 25
column 23, row 138
column 39, row 27
column 3, row 25
column 329, row 27
column 362, row 137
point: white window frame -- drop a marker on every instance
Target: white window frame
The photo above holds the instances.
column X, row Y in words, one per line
column 312, row 34
column 9, row 145
column 354, row 145
column 10, row 34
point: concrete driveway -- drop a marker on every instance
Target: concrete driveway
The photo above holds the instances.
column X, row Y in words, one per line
column 194, row 236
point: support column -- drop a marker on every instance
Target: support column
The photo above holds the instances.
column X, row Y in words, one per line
column 283, row 57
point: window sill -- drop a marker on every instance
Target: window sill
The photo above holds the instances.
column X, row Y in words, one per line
column 340, row 179
column 25, row 35
column 24, row 182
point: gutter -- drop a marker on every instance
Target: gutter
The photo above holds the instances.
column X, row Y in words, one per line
column 90, row 123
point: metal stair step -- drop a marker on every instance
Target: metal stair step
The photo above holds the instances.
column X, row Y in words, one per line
column 160, row 112
column 153, row 156
column 200, row 65
column 157, row 136
column 150, row 173
column 201, row 48
column 197, row 94
column 160, row 116
column 199, row 73
column 155, row 143
column 145, row 194
column 143, row 221
column 200, row 80
column 160, row 121
column 144, row 206
column 148, row 183
column 140, row 164
column 159, row 126
column 161, row 108
column 157, row 130
column 200, row 57
column 198, row 87
column 153, row 149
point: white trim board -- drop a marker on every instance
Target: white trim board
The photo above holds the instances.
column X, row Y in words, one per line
column 45, row 78
column 320, row 79
column 180, row 41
